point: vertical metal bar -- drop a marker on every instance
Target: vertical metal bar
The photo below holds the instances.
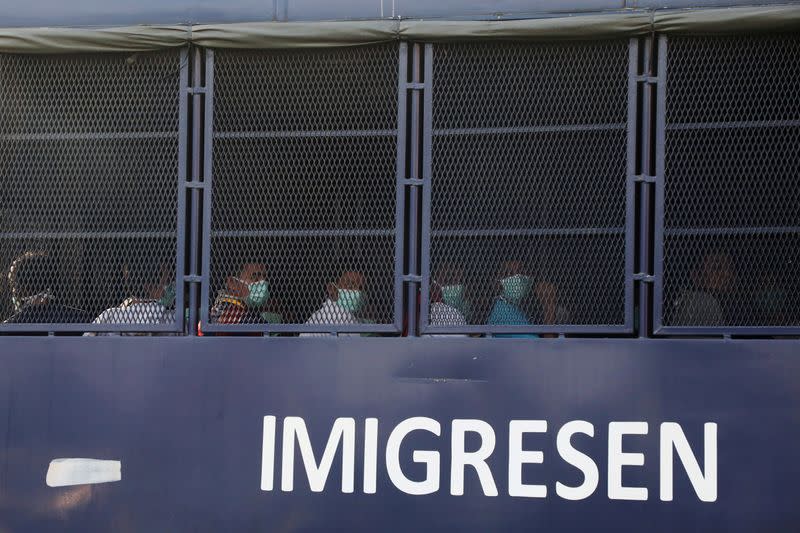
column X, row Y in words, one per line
column 208, row 141
column 630, row 184
column 645, row 243
column 183, row 133
column 661, row 117
column 427, row 143
column 399, row 186
column 195, row 212
column 413, row 198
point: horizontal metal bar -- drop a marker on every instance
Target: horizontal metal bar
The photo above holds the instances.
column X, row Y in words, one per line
column 303, row 233
column 643, row 178
column 532, row 129
column 733, row 125
column 192, row 278
column 91, row 235
column 647, row 79
column 412, row 277
column 417, row 85
column 302, row 134
column 416, row 182
column 196, row 90
column 777, row 230
column 728, row 330
column 299, row 328
column 539, row 328
column 90, row 328
column 647, row 278
column 88, row 136
column 195, row 184
column 526, row 232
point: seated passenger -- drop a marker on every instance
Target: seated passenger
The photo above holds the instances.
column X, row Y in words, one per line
column 515, row 286
column 245, row 299
column 32, row 295
column 447, row 298
column 345, row 300
column 699, row 304
column 155, row 306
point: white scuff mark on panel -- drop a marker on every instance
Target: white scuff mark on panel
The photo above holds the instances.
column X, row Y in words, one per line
column 79, row 471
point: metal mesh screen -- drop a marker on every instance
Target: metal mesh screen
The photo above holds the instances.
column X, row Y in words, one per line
column 529, row 178
column 732, row 182
column 88, row 188
column 304, row 187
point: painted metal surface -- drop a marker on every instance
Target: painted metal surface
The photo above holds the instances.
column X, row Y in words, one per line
column 125, row 12
column 184, row 416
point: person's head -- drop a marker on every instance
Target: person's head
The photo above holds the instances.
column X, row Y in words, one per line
column 514, row 280
column 162, row 287
column 27, row 279
column 715, row 272
column 447, row 285
column 348, row 291
column 250, row 284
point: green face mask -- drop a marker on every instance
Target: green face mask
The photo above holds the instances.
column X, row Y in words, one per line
column 350, row 299
column 168, row 297
column 258, row 295
column 453, row 295
column 516, row 287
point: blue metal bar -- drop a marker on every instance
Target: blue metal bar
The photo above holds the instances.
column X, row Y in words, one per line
column 90, row 235
column 755, row 230
column 399, row 258
column 728, row 330
column 304, row 233
column 93, row 136
column 414, row 194
column 195, row 214
column 183, row 121
column 630, row 183
column 738, row 125
column 533, row 328
column 89, row 328
column 208, row 146
column 427, row 154
column 526, row 232
column 299, row 328
column 302, row 134
column 658, row 245
column 531, row 129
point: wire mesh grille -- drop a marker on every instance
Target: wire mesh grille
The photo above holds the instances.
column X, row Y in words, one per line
column 529, row 179
column 731, row 188
column 88, row 188
column 304, row 162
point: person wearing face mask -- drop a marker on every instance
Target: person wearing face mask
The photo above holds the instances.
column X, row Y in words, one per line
column 245, row 299
column 447, row 298
column 699, row 305
column 345, row 301
column 155, row 305
column 515, row 288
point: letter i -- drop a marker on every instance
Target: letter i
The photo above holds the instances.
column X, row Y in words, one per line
column 370, row 455
column 268, row 454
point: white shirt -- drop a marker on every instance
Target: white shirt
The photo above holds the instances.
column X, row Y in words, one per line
column 331, row 313
column 135, row 313
column 442, row 314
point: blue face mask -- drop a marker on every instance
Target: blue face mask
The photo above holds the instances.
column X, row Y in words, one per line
column 516, row 287
column 350, row 299
column 453, row 295
column 258, row 293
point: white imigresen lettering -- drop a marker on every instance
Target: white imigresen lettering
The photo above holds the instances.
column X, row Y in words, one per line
column 342, row 440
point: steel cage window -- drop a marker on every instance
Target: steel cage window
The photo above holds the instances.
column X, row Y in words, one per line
column 92, row 154
column 727, row 235
column 304, row 160
column 528, row 153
